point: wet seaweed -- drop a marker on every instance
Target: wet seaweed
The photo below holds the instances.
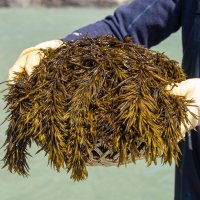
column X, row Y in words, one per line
column 95, row 90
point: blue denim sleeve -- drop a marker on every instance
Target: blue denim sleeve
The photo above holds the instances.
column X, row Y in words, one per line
column 147, row 21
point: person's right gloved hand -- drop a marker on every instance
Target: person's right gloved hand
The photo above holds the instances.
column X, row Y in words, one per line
column 31, row 57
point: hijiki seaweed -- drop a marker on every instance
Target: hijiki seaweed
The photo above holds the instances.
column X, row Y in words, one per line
column 95, row 90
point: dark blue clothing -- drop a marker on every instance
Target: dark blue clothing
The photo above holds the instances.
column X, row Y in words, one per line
column 149, row 22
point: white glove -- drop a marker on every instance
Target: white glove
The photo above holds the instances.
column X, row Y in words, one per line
column 31, row 57
column 191, row 90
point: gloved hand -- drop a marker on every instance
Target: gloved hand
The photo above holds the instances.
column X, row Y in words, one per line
column 189, row 88
column 31, row 57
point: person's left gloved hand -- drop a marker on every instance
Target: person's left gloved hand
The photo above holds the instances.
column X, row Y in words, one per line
column 31, row 57
column 189, row 88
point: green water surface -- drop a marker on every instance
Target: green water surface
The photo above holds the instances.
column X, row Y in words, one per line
column 22, row 28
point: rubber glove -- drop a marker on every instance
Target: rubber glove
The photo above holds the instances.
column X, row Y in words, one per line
column 189, row 88
column 31, row 57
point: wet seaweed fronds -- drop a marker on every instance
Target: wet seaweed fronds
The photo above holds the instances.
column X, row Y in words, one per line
column 18, row 140
column 96, row 93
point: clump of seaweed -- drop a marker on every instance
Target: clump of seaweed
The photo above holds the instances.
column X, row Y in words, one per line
column 94, row 101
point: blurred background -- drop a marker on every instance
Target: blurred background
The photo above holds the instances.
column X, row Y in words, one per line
column 24, row 23
column 58, row 3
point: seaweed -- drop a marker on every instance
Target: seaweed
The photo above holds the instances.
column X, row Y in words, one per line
column 94, row 92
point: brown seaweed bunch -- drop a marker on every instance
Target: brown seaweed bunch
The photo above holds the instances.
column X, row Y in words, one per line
column 98, row 94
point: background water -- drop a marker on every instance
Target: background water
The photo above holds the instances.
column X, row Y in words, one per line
column 22, row 28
